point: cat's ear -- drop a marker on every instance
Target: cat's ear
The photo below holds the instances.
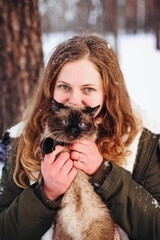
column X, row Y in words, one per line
column 91, row 111
column 56, row 106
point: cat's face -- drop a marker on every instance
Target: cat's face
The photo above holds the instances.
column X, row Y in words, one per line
column 69, row 123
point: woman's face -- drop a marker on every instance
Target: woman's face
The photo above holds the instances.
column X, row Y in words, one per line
column 79, row 83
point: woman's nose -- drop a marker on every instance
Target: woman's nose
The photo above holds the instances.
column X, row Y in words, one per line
column 75, row 98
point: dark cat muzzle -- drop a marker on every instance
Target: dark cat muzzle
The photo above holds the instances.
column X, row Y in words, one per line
column 74, row 131
column 48, row 145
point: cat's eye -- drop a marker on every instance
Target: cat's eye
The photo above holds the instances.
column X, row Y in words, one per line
column 82, row 124
column 65, row 122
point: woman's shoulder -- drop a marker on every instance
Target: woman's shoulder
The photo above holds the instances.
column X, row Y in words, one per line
column 148, row 133
column 147, row 122
column 16, row 130
column 9, row 141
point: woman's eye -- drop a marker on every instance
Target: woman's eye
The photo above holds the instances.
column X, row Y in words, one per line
column 82, row 124
column 65, row 122
column 65, row 87
column 89, row 89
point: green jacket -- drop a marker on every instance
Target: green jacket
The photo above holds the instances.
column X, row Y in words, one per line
column 133, row 199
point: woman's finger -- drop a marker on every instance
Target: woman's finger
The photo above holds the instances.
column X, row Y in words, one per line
column 50, row 158
column 75, row 155
column 61, row 160
column 72, row 174
column 79, row 165
column 80, row 146
column 67, row 166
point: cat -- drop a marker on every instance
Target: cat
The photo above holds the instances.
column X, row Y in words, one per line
column 82, row 215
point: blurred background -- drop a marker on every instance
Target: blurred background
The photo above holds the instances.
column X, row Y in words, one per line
column 29, row 30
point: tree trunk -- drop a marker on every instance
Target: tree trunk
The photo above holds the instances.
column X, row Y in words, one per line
column 157, row 23
column 21, row 57
column 83, row 9
column 131, row 15
column 110, row 18
column 149, row 15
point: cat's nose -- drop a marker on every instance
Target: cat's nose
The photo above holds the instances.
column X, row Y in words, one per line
column 74, row 132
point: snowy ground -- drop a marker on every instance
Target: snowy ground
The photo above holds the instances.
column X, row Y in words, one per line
column 140, row 64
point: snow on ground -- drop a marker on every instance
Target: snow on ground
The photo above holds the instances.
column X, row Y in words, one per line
column 140, row 64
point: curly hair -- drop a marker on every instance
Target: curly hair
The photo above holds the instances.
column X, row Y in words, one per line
column 119, row 126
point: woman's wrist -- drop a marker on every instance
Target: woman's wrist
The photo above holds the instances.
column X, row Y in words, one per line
column 40, row 193
column 49, row 194
column 99, row 177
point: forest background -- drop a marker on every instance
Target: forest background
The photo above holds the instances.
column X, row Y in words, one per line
column 30, row 29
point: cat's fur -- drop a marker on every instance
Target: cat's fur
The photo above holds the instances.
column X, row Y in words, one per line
column 83, row 215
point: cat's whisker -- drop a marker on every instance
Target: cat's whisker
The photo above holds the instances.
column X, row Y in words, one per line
column 49, row 135
column 57, row 135
column 60, row 137
column 52, row 133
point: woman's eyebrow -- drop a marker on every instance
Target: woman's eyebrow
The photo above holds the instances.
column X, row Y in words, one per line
column 90, row 85
column 83, row 85
column 63, row 82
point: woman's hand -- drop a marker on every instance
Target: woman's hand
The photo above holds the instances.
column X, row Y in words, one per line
column 87, row 156
column 57, row 174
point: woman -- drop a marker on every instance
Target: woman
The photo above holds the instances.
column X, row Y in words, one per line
column 82, row 71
